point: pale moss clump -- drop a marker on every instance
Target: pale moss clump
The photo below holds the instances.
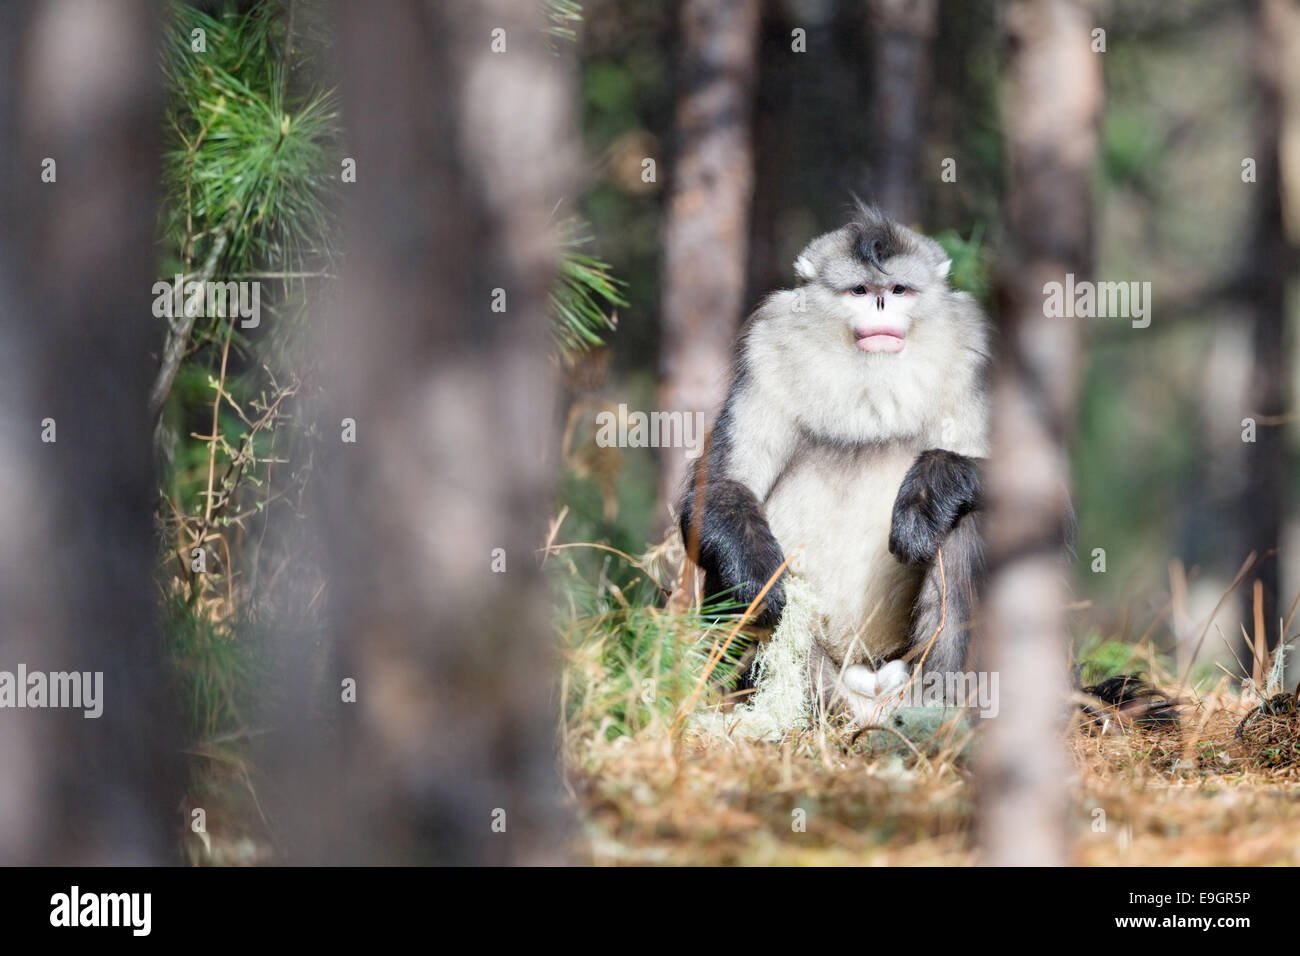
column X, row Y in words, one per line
column 780, row 702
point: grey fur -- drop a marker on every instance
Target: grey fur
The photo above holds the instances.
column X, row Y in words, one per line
column 814, row 410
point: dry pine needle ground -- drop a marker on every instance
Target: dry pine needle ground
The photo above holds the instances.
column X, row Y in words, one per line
column 1196, row 794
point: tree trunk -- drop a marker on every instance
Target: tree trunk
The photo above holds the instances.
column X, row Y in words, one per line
column 1053, row 98
column 903, row 31
column 76, row 533
column 1262, row 500
column 448, row 754
column 707, row 226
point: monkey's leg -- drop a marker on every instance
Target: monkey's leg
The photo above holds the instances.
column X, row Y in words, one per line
column 730, row 539
column 936, row 513
column 944, row 613
column 823, row 682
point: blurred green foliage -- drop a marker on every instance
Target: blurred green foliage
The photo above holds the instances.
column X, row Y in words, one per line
column 971, row 262
column 1100, row 658
column 243, row 159
column 251, row 147
column 584, row 293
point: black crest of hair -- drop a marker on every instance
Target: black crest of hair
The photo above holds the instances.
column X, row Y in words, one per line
column 878, row 237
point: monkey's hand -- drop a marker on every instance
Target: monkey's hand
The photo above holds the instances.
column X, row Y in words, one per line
column 732, row 542
column 938, row 489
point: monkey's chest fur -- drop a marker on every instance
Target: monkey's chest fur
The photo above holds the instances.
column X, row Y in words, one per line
column 831, row 510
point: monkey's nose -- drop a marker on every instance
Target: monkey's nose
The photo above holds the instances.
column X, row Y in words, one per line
column 880, row 302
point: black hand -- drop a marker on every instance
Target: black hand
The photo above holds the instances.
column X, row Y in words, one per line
column 736, row 548
column 938, row 489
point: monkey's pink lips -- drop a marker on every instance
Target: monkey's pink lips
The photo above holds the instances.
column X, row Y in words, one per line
column 879, row 340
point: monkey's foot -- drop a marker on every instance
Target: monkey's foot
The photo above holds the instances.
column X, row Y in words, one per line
column 873, row 695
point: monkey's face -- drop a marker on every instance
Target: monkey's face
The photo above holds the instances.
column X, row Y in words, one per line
column 873, row 344
column 879, row 314
column 876, row 303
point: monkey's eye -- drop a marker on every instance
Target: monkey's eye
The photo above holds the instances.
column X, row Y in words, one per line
column 859, row 290
column 900, row 290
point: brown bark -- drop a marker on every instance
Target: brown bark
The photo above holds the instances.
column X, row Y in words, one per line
column 461, row 155
column 902, row 33
column 1263, row 495
column 76, row 535
column 1051, row 110
column 706, row 232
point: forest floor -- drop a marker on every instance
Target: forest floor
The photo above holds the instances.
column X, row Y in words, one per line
column 1194, row 794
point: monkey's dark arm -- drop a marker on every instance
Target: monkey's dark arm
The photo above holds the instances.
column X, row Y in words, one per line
column 735, row 546
column 938, row 505
column 938, row 490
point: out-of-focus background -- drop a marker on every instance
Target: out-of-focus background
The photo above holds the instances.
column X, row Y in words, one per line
column 1164, row 481
column 363, row 580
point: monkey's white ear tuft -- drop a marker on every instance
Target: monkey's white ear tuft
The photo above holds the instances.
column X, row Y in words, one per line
column 804, row 269
column 944, row 268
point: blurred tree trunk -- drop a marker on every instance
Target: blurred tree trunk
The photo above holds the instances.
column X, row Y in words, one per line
column 1262, row 499
column 707, row 225
column 903, row 33
column 448, row 755
column 1053, row 99
column 81, row 87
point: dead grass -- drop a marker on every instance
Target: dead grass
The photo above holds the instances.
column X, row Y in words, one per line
column 650, row 791
column 1196, row 794
column 723, row 802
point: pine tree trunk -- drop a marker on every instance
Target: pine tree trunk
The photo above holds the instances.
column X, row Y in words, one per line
column 447, row 755
column 1263, row 494
column 81, row 88
column 706, row 236
column 902, row 34
column 1050, row 112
